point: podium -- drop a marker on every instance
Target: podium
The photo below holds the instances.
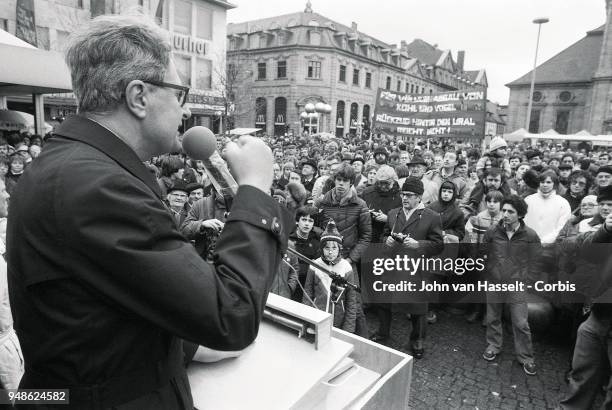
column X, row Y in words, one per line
column 299, row 361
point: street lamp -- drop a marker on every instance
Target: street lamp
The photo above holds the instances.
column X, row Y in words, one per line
column 539, row 22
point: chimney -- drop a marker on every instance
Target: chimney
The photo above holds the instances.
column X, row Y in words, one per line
column 404, row 45
column 353, row 26
column 460, row 59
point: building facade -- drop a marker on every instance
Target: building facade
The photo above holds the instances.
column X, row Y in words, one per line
column 197, row 29
column 573, row 90
column 278, row 65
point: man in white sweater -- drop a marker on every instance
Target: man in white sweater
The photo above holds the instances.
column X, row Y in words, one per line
column 547, row 212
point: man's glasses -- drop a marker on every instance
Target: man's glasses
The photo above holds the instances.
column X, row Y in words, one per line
column 181, row 95
column 588, row 206
column 407, row 195
column 579, row 183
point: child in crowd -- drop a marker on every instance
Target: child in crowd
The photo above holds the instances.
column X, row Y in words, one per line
column 322, row 292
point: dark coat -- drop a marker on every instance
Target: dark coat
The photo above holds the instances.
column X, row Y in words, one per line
column 450, row 215
column 286, row 278
column 511, row 259
column 352, row 218
column 310, row 247
column 574, row 201
column 424, row 226
column 209, row 207
column 377, row 200
column 103, row 285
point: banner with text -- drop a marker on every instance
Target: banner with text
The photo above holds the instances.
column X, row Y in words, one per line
column 25, row 25
column 445, row 114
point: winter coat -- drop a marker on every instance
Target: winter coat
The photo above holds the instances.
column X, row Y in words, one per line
column 381, row 201
column 574, row 201
column 592, row 275
column 451, row 216
column 509, row 260
column 320, row 290
column 286, row 278
column 352, row 218
column 204, row 240
column 424, row 226
column 309, row 247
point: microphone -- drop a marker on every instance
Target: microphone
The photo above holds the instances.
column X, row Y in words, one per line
column 200, row 143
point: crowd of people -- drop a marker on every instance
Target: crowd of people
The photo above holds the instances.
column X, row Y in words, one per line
column 347, row 193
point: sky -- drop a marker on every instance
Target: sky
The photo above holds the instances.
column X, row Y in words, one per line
column 497, row 35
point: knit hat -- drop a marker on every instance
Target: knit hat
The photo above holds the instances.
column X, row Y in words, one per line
column 606, row 168
column 561, row 167
column 414, row 185
column 331, row 233
column 386, row 173
column 605, row 194
column 496, row 143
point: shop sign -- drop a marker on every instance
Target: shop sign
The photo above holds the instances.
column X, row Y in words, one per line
column 188, row 44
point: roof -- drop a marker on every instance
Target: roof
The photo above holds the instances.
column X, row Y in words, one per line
column 223, row 3
column 424, row 51
column 297, row 19
column 577, row 63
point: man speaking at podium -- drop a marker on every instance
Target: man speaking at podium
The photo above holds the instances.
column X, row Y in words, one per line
column 103, row 287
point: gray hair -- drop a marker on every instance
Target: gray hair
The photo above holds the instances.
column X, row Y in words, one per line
column 111, row 51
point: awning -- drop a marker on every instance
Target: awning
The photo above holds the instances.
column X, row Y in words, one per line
column 27, row 70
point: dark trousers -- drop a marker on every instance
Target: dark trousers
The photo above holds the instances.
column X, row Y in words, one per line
column 591, row 365
column 419, row 323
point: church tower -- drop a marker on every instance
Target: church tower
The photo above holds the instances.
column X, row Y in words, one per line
column 601, row 103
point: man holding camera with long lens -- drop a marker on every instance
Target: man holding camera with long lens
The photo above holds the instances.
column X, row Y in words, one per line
column 103, row 286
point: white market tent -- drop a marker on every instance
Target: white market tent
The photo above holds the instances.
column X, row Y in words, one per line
column 517, row 136
column 26, row 70
column 520, row 134
column 243, row 131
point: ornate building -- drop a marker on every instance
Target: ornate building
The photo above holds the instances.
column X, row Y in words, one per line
column 198, row 33
column 573, row 90
column 282, row 63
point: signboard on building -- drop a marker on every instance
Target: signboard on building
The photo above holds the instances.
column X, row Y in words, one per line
column 445, row 114
column 25, row 24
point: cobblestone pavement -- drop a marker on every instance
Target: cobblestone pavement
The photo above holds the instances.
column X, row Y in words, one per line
column 453, row 374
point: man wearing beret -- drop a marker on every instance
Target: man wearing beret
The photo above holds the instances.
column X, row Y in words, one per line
column 421, row 231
